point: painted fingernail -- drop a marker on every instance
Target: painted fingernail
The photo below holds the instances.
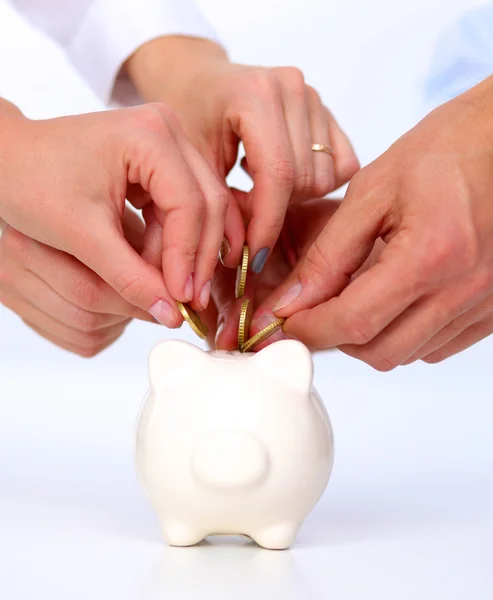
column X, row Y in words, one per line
column 189, row 288
column 263, row 322
column 258, row 263
column 225, row 250
column 163, row 312
column 205, row 294
column 289, row 297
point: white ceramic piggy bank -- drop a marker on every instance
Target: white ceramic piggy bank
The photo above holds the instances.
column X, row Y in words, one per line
column 231, row 443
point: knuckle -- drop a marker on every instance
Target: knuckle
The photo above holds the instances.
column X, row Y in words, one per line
column 217, row 204
column 313, row 95
column 355, row 328
column 316, row 262
column 360, row 182
column 15, row 243
column 347, row 167
column 196, row 201
column 293, row 78
column 384, row 364
column 163, row 109
column 482, row 282
column 86, row 293
column 94, row 343
column 434, row 358
column 222, row 199
column 283, row 171
column 130, row 285
column 88, row 321
column 185, row 249
column 304, row 179
column 323, row 183
column 442, row 255
column 265, row 84
column 90, row 352
column 150, row 117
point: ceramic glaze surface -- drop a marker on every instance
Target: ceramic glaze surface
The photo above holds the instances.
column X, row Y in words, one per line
column 231, row 443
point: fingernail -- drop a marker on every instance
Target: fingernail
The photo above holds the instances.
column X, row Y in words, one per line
column 225, row 250
column 189, row 288
column 263, row 322
column 163, row 312
column 205, row 294
column 258, row 263
column 289, row 297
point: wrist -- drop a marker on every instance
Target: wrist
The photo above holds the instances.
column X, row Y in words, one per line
column 475, row 110
column 164, row 68
column 10, row 118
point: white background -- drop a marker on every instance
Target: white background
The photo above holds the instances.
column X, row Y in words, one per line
column 409, row 510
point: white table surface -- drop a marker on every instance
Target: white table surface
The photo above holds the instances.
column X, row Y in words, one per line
column 409, row 510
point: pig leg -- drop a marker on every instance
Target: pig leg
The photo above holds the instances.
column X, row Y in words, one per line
column 276, row 537
column 181, row 534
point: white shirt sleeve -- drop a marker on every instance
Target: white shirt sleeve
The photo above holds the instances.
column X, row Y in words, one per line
column 462, row 58
column 99, row 35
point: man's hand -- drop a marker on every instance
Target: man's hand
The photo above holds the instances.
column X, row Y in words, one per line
column 430, row 293
column 276, row 115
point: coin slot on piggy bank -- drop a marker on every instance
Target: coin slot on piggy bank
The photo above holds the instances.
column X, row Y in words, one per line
column 233, row 443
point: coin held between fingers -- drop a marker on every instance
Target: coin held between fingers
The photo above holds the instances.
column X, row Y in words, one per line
column 193, row 319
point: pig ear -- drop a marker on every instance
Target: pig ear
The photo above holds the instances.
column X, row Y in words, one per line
column 173, row 359
column 288, row 361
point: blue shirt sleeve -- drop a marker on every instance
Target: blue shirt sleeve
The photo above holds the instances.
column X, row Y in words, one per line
column 462, row 58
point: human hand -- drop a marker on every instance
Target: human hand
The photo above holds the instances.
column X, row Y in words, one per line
column 302, row 225
column 60, row 298
column 64, row 184
column 430, row 293
column 272, row 111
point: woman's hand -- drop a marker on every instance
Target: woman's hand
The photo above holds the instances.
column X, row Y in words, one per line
column 430, row 293
column 60, row 298
column 64, row 184
column 272, row 111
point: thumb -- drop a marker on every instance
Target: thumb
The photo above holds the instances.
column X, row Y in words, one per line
column 109, row 254
column 336, row 254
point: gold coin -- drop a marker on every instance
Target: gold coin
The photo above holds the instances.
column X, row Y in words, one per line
column 193, row 319
column 244, row 324
column 241, row 274
column 262, row 335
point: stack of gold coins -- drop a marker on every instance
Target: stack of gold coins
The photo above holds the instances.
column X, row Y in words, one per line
column 245, row 343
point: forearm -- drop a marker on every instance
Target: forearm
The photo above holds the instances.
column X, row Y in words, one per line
column 161, row 69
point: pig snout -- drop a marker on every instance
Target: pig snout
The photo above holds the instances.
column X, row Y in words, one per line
column 231, row 459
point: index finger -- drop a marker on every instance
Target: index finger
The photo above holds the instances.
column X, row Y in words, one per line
column 364, row 308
